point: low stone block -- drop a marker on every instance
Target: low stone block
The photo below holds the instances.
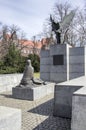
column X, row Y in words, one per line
column 45, row 53
column 58, row 77
column 76, row 68
column 10, row 118
column 33, row 93
column 58, row 69
column 45, row 68
column 75, row 75
column 58, row 49
column 63, row 100
column 76, row 59
column 77, row 51
column 79, row 110
column 46, row 61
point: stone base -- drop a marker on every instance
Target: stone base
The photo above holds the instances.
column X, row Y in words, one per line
column 10, row 118
column 33, row 93
column 63, row 100
column 79, row 110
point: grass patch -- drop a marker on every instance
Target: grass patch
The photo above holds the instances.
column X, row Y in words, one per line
column 37, row 75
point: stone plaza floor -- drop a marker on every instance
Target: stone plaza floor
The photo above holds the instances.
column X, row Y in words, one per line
column 36, row 115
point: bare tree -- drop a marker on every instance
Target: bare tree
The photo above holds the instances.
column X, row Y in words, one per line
column 10, row 36
column 3, row 41
column 47, row 34
column 81, row 27
column 36, row 41
column 75, row 34
column 61, row 10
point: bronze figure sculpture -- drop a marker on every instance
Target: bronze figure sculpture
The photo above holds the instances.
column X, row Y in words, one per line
column 28, row 77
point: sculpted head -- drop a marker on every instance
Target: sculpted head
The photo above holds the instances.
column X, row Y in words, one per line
column 29, row 62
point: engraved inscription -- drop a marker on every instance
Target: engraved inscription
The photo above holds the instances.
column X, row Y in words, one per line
column 58, row 60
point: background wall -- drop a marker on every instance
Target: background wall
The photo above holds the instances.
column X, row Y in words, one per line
column 74, row 63
column 77, row 62
column 7, row 81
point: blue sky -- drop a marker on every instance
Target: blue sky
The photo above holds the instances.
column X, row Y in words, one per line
column 29, row 15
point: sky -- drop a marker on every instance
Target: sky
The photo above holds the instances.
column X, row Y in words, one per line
column 29, row 15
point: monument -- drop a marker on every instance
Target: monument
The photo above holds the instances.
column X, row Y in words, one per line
column 31, row 88
column 60, row 28
column 66, row 63
column 55, row 28
column 55, row 62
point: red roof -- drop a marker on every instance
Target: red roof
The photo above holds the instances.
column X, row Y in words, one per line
column 30, row 43
column 38, row 44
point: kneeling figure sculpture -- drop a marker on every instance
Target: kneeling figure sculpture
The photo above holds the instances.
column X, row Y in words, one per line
column 28, row 79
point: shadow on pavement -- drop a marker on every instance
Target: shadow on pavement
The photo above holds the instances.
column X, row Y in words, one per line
column 6, row 95
column 45, row 108
column 50, row 122
column 54, row 123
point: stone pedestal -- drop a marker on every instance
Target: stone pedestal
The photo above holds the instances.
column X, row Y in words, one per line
column 54, row 64
column 33, row 93
column 69, row 100
column 10, row 118
column 79, row 110
column 63, row 100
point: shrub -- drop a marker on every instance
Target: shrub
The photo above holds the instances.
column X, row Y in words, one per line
column 8, row 70
column 13, row 62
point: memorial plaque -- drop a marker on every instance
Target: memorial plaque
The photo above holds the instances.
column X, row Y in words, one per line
column 58, row 60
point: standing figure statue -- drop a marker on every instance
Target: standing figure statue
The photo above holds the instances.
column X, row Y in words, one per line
column 28, row 77
column 55, row 28
column 61, row 28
